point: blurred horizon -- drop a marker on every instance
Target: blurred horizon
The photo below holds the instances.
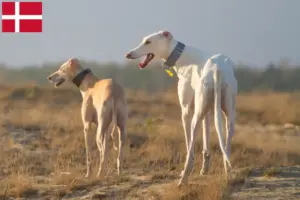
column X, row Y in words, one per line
column 254, row 33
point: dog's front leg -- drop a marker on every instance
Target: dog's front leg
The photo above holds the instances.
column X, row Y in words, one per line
column 185, row 95
column 189, row 161
column 201, row 109
column 88, row 148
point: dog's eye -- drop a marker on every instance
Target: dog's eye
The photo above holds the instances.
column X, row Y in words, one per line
column 147, row 42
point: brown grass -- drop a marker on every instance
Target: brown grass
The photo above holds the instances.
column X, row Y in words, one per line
column 271, row 172
column 51, row 161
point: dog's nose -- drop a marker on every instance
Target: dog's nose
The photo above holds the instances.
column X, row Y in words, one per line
column 49, row 78
column 128, row 55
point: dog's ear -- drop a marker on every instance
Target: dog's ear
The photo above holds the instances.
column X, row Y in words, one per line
column 73, row 63
column 167, row 34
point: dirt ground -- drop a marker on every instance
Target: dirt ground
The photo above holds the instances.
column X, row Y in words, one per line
column 42, row 153
column 275, row 183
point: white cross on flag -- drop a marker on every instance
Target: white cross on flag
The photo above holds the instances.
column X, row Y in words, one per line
column 21, row 17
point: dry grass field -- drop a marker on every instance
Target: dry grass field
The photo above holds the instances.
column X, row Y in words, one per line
column 42, row 153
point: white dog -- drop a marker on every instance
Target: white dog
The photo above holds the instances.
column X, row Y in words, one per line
column 206, row 80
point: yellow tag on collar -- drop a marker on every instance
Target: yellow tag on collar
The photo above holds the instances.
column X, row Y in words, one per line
column 169, row 72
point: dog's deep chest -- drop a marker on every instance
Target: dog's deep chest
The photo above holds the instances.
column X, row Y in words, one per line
column 88, row 110
column 190, row 73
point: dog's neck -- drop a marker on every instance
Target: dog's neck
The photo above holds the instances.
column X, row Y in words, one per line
column 190, row 56
column 174, row 55
column 85, row 80
column 172, row 46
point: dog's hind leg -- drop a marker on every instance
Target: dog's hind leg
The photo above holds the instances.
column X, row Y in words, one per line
column 102, row 142
column 100, row 146
column 104, row 120
column 229, row 110
column 121, row 124
column 113, row 138
column 205, row 151
column 88, row 147
column 218, row 83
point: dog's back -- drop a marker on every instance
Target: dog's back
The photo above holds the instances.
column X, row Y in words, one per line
column 106, row 89
column 108, row 97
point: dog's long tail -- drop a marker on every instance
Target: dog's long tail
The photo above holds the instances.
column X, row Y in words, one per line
column 217, row 78
column 114, row 123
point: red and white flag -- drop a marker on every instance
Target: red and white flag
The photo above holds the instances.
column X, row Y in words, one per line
column 22, row 17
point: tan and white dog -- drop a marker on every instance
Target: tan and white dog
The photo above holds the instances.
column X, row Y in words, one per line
column 207, row 80
column 103, row 101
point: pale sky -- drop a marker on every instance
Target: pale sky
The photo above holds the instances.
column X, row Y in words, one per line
column 249, row 31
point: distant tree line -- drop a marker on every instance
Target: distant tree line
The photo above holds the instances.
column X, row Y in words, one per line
column 274, row 77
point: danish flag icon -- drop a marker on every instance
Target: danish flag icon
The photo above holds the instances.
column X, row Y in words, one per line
column 22, row 17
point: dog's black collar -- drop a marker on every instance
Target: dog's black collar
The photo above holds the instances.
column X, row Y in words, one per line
column 174, row 56
column 77, row 80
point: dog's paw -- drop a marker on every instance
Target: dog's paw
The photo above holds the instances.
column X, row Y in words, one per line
column 229, row 176
column 203, row 172
column 120, row 172
column 180, row 185
column 182, row 182
column 87, row 175
column 100, row 175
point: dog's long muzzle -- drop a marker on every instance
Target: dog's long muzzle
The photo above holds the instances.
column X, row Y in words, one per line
column 61, row 81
